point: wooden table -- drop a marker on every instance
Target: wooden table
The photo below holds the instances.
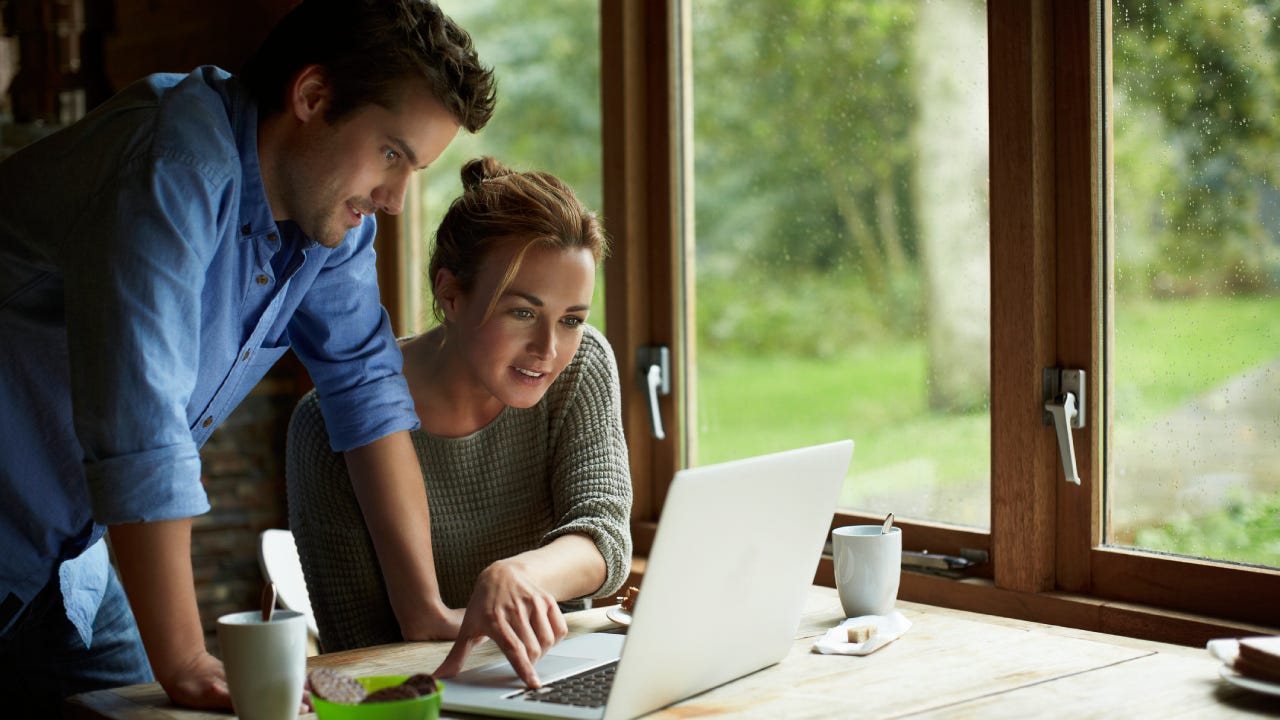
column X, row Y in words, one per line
column 950, row 664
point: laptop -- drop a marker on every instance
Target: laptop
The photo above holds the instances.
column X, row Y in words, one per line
column 734, row 556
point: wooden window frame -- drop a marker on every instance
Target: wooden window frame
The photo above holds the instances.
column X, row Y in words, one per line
column 1047, row 560
column 640, row 209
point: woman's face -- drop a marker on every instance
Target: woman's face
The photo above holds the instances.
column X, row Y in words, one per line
column 536, row 324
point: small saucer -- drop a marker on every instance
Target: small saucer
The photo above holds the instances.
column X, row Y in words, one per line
column 1226, row 650
column 1248, row 683
column 618, row 615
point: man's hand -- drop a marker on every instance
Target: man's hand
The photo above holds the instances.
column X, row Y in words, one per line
column 387, row 481
column 154, row 561
column 201, row 682
column 510, row 608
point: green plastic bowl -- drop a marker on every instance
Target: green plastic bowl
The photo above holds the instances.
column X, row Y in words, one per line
column 419, row 708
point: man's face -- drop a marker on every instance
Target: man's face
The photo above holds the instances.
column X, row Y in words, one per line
column 339, row 173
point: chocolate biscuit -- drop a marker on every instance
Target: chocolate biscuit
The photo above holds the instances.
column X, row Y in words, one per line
column 336, row 687
column 424, row 683
column 389, row 694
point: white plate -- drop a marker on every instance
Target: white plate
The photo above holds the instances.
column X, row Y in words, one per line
column 1226, row 650
column 618, row 615
column 1248, row 683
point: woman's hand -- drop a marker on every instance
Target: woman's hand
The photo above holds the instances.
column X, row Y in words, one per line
column 509, row 607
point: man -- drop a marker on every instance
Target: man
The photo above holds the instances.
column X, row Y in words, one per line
column 155, row 259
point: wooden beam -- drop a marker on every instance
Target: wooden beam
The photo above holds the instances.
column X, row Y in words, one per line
column 640, row 211
column 1078, row 290
column 1025, row 465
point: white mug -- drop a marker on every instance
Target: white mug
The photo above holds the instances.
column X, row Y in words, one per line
column 868, row 565
column 266, row 663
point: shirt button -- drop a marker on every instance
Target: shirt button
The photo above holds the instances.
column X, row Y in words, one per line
column 271, row 236
column 245, row 230
column 207, row 421
column 263, row 279
column 245, row 356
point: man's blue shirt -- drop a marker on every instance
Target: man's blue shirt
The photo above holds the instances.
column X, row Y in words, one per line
column 144, row 290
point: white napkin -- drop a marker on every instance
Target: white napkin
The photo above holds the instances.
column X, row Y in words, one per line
column 888, row 628
column 1225, row 649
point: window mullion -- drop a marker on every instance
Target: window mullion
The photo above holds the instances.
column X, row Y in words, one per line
column 1078, row 300
column 1025, row 465
column 640, row 218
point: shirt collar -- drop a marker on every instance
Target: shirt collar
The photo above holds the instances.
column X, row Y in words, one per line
column 255, row 212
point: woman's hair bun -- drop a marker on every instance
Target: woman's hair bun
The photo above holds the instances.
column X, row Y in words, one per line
column 480, row 169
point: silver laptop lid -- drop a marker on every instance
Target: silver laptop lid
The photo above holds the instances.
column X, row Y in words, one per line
column 728, row 574
column 735, row 553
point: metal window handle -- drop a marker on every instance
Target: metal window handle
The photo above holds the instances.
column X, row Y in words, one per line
column 654, row 384
column 1064, row 409
column 654, row 365
column 1064, row 412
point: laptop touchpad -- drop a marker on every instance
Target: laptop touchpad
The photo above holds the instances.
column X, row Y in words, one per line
column 502, row 675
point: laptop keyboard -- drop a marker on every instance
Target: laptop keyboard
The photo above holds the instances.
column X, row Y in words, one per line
column 586, row 689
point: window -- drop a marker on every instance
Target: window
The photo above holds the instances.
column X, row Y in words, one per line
column 839, row 244
column 1207, row 209
column 1194, row 455
column 1051, row 166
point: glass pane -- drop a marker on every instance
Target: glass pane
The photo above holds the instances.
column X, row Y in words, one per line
column 1194, row 454
column 546, row 57
column 840, row 254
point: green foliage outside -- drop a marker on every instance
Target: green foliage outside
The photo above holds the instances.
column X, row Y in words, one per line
column 1245, row 531
column 802, row 313
column 1197, row 109
column 811, row 169
column 546, row 58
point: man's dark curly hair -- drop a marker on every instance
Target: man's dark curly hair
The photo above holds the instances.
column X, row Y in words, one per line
column 367, row 49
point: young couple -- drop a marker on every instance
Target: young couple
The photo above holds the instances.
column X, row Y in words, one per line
column 159, row 255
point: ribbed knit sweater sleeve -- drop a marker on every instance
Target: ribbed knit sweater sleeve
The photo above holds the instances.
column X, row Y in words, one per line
column 590, row 475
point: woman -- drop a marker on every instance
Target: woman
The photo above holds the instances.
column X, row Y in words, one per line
column 521, row 443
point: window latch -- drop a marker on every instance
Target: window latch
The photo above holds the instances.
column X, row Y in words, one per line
column 1064, row 410
column 653, row 363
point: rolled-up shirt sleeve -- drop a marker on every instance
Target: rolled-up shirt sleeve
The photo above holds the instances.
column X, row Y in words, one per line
column 343, row 335
column 132, row 297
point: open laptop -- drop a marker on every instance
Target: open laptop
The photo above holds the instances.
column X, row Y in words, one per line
column 730, row 567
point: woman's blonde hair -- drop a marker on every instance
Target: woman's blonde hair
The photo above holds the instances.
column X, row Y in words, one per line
column 499, row 205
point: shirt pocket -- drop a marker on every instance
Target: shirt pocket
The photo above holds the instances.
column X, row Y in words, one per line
column 263, row 358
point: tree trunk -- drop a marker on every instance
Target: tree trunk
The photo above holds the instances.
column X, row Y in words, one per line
column 952, row 193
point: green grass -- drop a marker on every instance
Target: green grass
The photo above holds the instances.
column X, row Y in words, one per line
column 1168, row 352
column 762, row 404
column 876, row 396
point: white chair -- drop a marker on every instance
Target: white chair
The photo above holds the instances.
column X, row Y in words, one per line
column 278, row 558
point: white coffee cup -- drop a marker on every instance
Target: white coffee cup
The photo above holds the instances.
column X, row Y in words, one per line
column 266, row 663
column 868, row 565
